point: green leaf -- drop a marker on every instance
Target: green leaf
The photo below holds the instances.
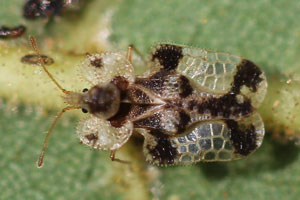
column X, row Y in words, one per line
column 70, row 171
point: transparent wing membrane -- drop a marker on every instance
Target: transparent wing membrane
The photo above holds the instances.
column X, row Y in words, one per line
column 215, row 71
column 99, row 134
column 212, row 141
column 102, row 68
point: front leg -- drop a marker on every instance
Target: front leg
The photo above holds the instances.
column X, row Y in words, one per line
column 130, row 50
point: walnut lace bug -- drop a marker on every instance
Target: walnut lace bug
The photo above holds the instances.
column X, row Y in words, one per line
column 191, row 105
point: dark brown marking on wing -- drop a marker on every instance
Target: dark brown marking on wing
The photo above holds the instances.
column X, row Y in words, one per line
column 184, row 120
column 193, row 105
column 243, row 140
column 155, row 82
column 225, row 106
column 168, row 56
column 121, row 116
column 173, row 103
column 138, row 110
column 139, row 96
column 248, row 74
column 185, row 87
column 12, row 32
column 151, row 122
column 97, row 63
column 164, row 152
column 92, row 138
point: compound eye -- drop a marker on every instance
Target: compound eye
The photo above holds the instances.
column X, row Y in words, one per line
column 84, row 110
column 85, row 90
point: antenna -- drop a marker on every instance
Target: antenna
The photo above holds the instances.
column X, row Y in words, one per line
column 42, row 155
column 35, row 48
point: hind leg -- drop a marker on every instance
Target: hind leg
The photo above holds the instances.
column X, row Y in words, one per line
column 113, row 158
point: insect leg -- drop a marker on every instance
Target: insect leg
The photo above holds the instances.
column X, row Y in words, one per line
column 42, row 155
column 113, row 158
column 132, row 48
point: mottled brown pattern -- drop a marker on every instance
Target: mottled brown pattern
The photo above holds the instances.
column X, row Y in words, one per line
column 33, row 59
column 150, row 122
column 97, row 63
column 163, row 151
column 224, row 107
column 243, row 138
column 92, row 138
column 34, row 9
column 168, row 56
column 185, row 87
column 155, row 82
column 138, row 96
column 137, row 110
column 248, row 74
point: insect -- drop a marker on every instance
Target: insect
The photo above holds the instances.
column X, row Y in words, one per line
column 34, row 9
column 33, row 59
column 192, row 105
column 12, row 32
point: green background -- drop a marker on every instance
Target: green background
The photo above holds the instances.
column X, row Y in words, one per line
column 267, row 32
